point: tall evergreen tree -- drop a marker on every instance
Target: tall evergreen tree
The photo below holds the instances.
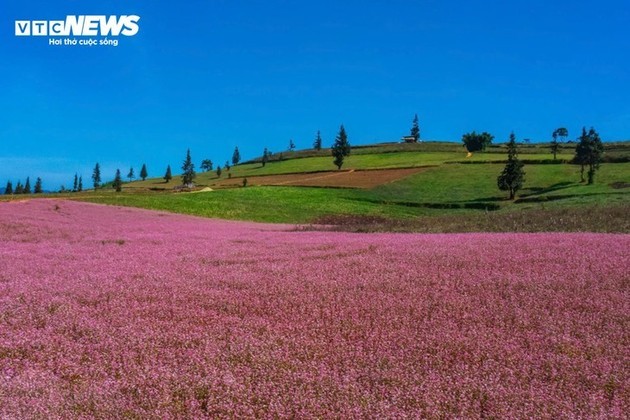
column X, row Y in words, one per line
column 80, row 187
column 415, row 129
column 117, row 184
column 38, row 186
column 588, row 153
column 27, row 186
column 341, row 147
column 75, row 184
column 188, row 170
column 19, row 189
column 9, row 188
column 512, row 177
column 131, row 175
column 291, row 145
column 219, row 171
column 96, row 176
column 143, row 172
column 265, row 157
column 317, row 144
column 236, row 156
column 167, row 175
column 581, row 149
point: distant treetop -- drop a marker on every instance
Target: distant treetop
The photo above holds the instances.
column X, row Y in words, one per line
column 474, row 142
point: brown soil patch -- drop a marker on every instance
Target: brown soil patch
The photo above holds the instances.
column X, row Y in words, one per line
column 620, row 185
column 334, row 179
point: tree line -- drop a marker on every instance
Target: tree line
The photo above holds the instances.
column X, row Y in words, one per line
column 588, row 154
column 24, row 188
column 340, row 149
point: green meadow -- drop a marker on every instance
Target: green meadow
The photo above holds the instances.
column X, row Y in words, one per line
column 388, row 156
column 453, row 193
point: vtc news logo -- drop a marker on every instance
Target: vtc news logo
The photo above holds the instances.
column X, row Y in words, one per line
column 82, row 25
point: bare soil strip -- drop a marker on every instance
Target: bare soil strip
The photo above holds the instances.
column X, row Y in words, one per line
column 336, row 179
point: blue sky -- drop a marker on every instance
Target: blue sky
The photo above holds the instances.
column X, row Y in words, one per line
column 211, row 75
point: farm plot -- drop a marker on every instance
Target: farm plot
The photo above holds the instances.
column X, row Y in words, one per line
column 338, row 179
column 110, row 312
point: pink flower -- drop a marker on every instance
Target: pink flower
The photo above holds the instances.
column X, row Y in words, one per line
column 114, row 312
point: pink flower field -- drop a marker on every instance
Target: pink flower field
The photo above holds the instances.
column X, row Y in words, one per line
column 110, row 312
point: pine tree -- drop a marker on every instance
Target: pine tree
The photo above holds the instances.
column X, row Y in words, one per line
column 317, row 144
column 265, row 157
column 219, row 171
column 131, row 175
column 143, row 172
column 27, row 186
column 96, row 176
column 581, row 150
column 117, row 184
column 341, row 147
column 168, row 176
column 75, row 184
column 19, row 189
column 80, row 187
column 8, row 190
column 227, row 166
column 291, row 145
column 38, row 186
column 588, row 153
column 415, row 129
column 188, row 170
column 236, row 156
column 512, row 177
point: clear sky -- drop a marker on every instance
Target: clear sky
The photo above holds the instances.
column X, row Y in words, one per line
column 214, row 74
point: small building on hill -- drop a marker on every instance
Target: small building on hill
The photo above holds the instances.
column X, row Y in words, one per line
column 409, row 139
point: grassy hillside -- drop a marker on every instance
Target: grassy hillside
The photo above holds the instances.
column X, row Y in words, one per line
column 452, row 193
column 359, row 161
column 460, row 184
column 390, row 155
column 454, row 197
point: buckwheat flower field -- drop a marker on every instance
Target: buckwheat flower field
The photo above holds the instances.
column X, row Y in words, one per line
column 112, row 312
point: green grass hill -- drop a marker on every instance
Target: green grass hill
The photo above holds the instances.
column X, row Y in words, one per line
column 450, row 191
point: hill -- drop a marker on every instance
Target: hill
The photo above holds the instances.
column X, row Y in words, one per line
column 370, row 157
column 419, row 187
column 428, row 187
